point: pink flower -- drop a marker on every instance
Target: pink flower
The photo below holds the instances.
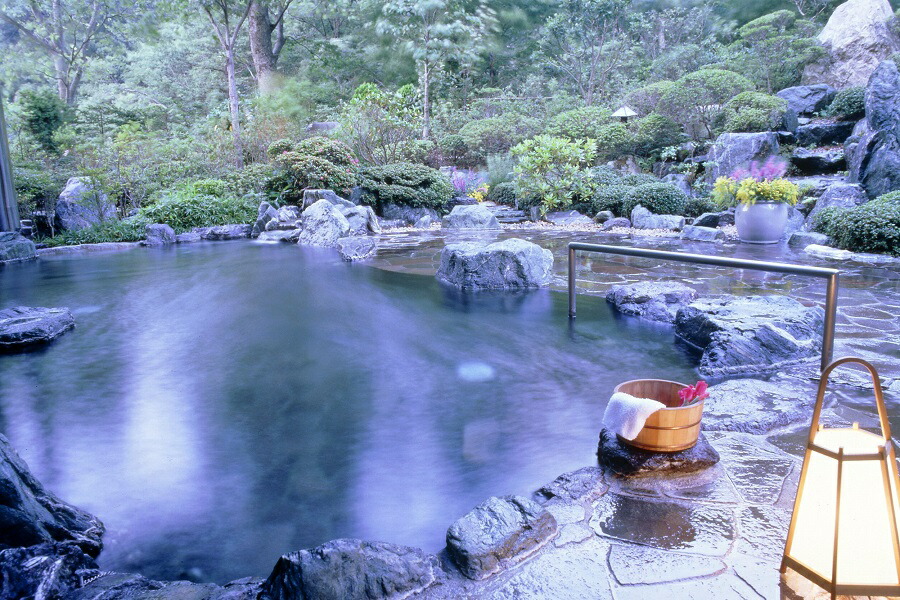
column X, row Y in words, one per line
column 693, row 393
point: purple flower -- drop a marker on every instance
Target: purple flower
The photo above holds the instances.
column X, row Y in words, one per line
column 773, row 168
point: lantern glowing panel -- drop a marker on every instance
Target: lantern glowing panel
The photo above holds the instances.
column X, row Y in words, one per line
column 844, row 534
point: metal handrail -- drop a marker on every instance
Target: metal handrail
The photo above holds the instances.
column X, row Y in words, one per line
column 720, row 261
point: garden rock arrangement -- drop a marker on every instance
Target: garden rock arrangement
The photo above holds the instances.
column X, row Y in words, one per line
column 733, row 150
column 24, row 326
column 512, row 264
column 641, row 218
column 356, row 248
column 656, row 301
column 808, row 99
column 875, row 160
column 753, row 334
column 323, row 225
column 470, row 217
column 80, row 206
column 15, row 247
column 159, row 235
column 498, row 533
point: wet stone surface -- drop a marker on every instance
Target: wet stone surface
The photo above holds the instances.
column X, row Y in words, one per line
column 625, row 460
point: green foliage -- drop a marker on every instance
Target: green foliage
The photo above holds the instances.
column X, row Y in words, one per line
column 252, row 179
column 695, row 99
column 646, row 99
column 655, row 132
column 849, row 104
column 43, row 113
column 405, row 184
column 503, row 193
column 298, row 172
column 610, row 198
column 554, row 171
column 695, row 207
column 870, row 227
column 637, row 179
column 495, row 135
column 500, row 169
column 279, row 147
column 751, row 112
column 613, row 140
column 579, row 123
column 36, row 188
column 201, row 204
column 378, row 125
column 334, row 151
column 125, row 230
column 603, row 176
column 658, row 198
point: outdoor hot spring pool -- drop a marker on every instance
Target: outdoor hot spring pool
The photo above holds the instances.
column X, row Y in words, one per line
column 218, row 405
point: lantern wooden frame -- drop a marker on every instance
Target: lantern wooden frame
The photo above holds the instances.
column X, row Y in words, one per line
column 885, row 455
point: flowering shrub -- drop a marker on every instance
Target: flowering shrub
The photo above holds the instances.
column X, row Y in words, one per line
column 761, row 182
column 693, row 393
column 480, row 193
column 465, row 181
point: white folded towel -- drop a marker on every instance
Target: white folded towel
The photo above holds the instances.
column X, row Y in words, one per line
column 625, row 415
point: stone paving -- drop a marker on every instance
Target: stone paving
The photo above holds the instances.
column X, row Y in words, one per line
column 718, row 533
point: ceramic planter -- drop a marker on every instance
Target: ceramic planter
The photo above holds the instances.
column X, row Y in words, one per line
column 761, row 223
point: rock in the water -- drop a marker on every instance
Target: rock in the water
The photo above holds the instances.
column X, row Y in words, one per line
column 840, row 195
column 407, row 214
column 818, row 162
column 603, row 216
column 356, row 248
column 697, row 233
column 158, row 234
column 875, row 159
column 25, row 326
column 31, row 515
column 733, row 150
column 346, row 569
column 362, row 220
column 753, row 334
column 624, row 460
column 585, row 484
column 126, row 586
column 617, row 222
column 756, row 406
column 828, row 252
column 470, row 217
column 278, row 235
column 48, row 570
column 264, row 214
column 802, row 239
column 568, row 217
column 323, row 225
column 641, row 218
column 824, row 133
column 806, row 100
column 714, row 219
column 857, row 37
column 15, row 247
column 510, row 264
column 188, row 237
column 80, row 205
column 498, row 533
column 310, row 197
column 653, row 300
column 227, row 232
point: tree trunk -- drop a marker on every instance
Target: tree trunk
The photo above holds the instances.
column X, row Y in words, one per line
column 235, row 108
column 261, row 48
column 61, row 69
column 426, row 101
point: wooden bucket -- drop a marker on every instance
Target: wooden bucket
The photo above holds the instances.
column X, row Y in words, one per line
column 669, row 429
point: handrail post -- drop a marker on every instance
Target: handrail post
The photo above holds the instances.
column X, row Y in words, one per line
column 831, row 294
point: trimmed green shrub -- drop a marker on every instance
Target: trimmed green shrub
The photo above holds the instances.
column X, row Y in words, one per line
column 751, row 112
column 279, row 147
column 695, row 207
column 889, row 198
column 209, row 187
column 405, row 184
column 188, row 207
column 610, row 198
column 658, row 198
column 870, row 227
column 579, row 123
column 849, row 104
column 453, row 147
column 604, row 175
column 334, row 151
column 503, row 193
column 125, row 230
column 252, row 179
column 655, row 132
column 636, row 179
column 614, row 140
column 495, row 135
column 301, row 172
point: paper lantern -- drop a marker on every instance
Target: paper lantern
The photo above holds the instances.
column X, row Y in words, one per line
column 843, row 533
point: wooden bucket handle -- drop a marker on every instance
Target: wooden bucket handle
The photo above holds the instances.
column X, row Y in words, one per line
column 879, row 396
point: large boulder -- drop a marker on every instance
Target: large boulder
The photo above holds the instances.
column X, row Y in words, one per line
column 824, row 133
column 25, row 326
column 323, row 225
column 225, row 232
column 356, row 248
column 158, row 234
column 680, row 180
column 30, row 515
column 48, row 570
column 15, row 247
column 408, row 214
column 80, row 205
column 641, row 218
column 802, row 239
column 568, row 217
column 510, row 264
column 753, row 334
column 808, row 99
column 819, row 161
column 653, row 300
column 470, row 217
column 857, row 37
column 733, row 150
column 875, row 158
column 287, row 218
column 840, row 195
column 498, row 533
column 310, row 197
column 616, row 222
column 347, row 568
column 625, row 460
column 362, row 219
column 696, row 233
column 265, row 213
